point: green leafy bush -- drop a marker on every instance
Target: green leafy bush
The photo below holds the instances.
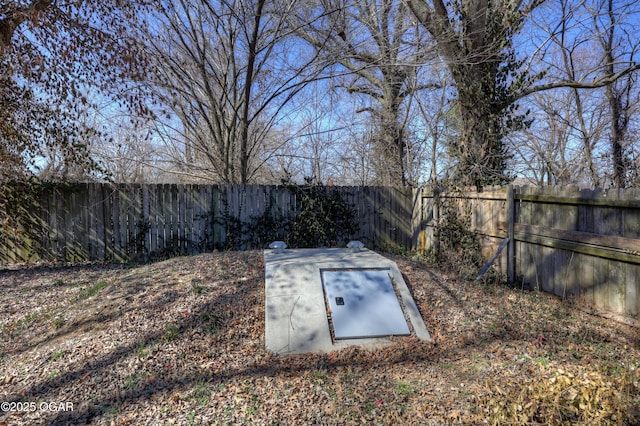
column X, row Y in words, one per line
column 325, row 220
column 322, row 219
column 458, row 246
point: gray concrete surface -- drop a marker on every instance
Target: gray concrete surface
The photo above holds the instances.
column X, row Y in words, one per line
column 295, row 311
column 363, row 303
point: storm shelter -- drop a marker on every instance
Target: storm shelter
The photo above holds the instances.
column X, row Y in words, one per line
column 319, row 300
column 363, row 303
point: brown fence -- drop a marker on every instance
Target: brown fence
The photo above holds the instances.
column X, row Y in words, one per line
column 567, row 242
column 123, row 222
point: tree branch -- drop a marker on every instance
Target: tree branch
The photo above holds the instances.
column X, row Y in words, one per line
column 602, row 82
column 14, row 18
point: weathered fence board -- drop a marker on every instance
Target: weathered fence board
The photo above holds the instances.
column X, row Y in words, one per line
column 92, row 221
column 567, row 242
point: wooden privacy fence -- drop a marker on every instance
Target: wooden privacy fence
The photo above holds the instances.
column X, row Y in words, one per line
column 568, row 242
column 564, row 241
column 93, row 221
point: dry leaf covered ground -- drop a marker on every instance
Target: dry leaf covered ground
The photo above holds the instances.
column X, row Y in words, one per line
column 181, row 341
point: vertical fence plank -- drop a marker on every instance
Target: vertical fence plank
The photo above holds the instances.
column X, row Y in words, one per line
column 130, row 229
column 600, row 266
column 145, row 223
column 107, row 221
column 378, row 224
column 196, row 193
column 48, row 233
column 186, row 218
column 153, row 219
column 355, row 207
column 142, row 224
column 56, row 226
column 255, row 208
column 510, row 222
column 72, row 211
column 219, row 211
column 392, row 206
column 116, row 217
column 632, row 290
column 67, row 223
column 196, row 200
column 369, row 216
column 292, row 201
column 209, row 216
column 524, row 257
column 83, row 236
column 388, row 219
column 100, row 221
column 173, row 213
column 92, row 234
column 374, row 217
column 405, row 216
column 163, row 235
column 164, row 219
column 43, row 247
column 135, row 224
column 125, row 211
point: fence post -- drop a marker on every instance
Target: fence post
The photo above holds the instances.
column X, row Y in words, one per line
column 416, row 218
column 511, row 248
column 436, row 220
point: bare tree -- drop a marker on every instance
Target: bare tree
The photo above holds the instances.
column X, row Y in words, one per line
column 439, row 125
column 593, row 72
column 573, row 60
column 475, row 39
column 128, row 154
column 227, row 70
column 554, row 149
column 619, row 50
column 377, row 48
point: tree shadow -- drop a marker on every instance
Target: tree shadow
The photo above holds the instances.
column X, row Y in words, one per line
column 242, row 332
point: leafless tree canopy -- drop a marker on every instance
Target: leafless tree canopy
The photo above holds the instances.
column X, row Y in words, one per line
column 360, row 91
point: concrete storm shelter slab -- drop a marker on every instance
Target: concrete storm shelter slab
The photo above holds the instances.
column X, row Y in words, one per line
column 366, row 294
column 363, row 303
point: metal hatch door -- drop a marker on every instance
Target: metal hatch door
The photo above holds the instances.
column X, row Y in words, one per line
column 363, row 303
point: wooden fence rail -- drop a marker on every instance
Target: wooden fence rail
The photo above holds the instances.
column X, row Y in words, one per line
column 584, row 244
column 568, row 242
column 92, row 221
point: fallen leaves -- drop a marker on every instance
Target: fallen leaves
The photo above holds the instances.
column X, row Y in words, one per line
column 182, row 341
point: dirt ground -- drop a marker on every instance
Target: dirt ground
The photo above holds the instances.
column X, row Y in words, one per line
column 181, row 341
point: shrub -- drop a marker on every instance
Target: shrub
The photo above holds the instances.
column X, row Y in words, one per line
column 325, row 220
column 322, row 219
column 458, row 246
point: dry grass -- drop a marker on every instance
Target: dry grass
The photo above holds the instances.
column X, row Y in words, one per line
column 182, row 341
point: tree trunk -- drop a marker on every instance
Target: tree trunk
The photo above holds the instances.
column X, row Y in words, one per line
column 248, row 85
column 619, row 119
column 390, row 147
column 480, row 151
column 475, row 39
